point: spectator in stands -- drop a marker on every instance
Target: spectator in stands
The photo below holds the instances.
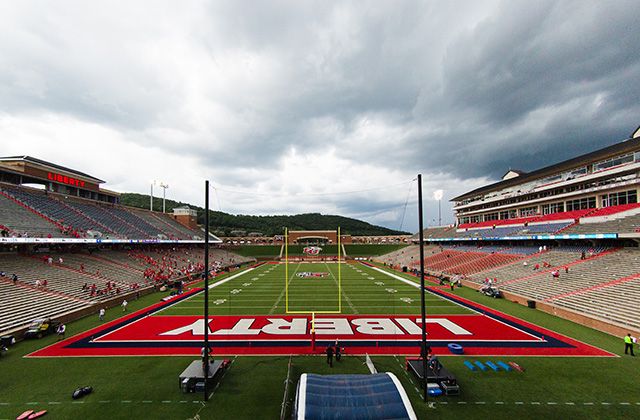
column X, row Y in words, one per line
column 628, row 344
column 566, row 269
column 14, row 278
column 583, row 255
column 49, row 260
column 555, row 274
column 536, row 267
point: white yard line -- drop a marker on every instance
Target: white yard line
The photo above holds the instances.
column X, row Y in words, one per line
column 413, row 284
column 346, row 298
column 284, row 289
column 211, row 286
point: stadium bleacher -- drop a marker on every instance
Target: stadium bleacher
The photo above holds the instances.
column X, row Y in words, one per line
column 20, row 220
column 603, row 285
column 41, row 214
column 84, row 279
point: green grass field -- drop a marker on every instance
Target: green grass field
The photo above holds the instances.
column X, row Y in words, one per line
column 367, row 250
column 253, row 387
column 363, row 291
column 257, row 251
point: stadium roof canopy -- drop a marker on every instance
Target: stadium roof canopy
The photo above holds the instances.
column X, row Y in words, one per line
column 40, row 162
column 624, row 146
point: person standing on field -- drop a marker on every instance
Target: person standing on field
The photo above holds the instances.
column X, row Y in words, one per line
column 628, row 344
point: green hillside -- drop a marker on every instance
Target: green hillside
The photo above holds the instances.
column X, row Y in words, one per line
column 224, row 224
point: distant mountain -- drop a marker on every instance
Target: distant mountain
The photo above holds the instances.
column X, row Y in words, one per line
column 224, row 224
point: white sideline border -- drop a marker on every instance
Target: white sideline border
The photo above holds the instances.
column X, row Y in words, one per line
column 211, row 286
column 412, row 283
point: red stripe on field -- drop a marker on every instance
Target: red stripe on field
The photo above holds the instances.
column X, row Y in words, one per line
column 344, row 327
column 483, row 329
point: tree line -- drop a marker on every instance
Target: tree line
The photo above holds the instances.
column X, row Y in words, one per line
column 225, row 224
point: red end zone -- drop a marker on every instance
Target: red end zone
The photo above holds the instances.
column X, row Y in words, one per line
column 488, row 333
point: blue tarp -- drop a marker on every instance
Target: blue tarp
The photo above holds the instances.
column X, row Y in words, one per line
column 377, row 396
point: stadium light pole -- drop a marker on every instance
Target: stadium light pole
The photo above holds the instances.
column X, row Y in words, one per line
column 164, row 195
column 206, row 290
column 423, row 344
column 437, row 195
column 151, row 198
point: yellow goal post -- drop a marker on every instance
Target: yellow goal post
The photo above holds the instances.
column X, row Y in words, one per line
column 286, row 280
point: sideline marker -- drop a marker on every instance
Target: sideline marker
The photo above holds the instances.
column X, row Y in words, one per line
column 505, row 366
column 481, row 366
column 493, row 366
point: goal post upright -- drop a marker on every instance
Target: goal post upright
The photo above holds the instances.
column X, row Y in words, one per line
column 286, row 269
column 339, row 273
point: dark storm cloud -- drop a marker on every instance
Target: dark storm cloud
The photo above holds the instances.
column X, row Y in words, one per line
column 536, row 83
column 251, row 94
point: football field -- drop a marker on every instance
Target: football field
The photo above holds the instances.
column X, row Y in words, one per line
column 314, row 287
column 275, row 309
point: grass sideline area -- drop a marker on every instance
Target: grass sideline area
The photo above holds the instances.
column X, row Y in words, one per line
column 256, row 251
column 252, row 388
column 353, row 250
column 371, row 250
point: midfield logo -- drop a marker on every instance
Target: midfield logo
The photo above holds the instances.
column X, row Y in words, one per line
column 311, row 250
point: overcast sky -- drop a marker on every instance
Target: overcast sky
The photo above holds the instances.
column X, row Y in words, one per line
column 300, row 106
